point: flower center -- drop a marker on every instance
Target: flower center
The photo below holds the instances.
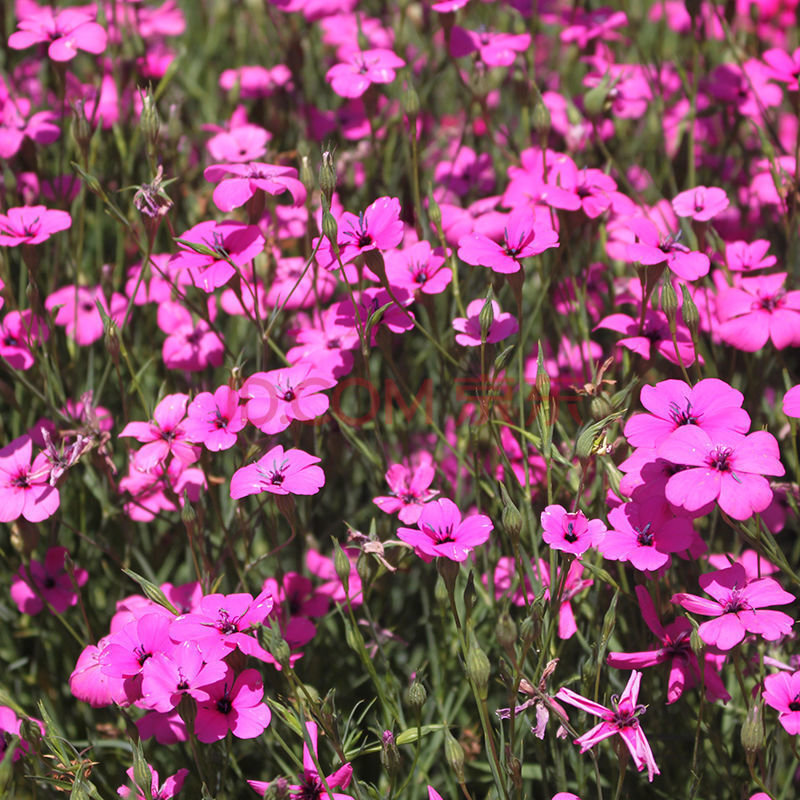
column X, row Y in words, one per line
column 736, row 602
column 644, row 536
column 682, row 416
column 720, row 458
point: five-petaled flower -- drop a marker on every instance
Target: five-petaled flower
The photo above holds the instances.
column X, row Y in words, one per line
column 291, row 472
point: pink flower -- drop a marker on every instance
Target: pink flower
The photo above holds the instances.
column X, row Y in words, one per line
column 235, row 706
column 791, row 402
column 748, row 256
column 68, row 31
column 75, row 308
column 654, row 249
column 279, row 472
column 739, row 606
column 239, row 182
column 759, row 310
column 361, row 70
column 212, row 251
column 225, row 621
column 31, row 225
column 782, row 692
column 621, row 718
column 784, row 67
column 645, row 534
column 701, row 203
column 655, row 335
column 418, row 268
column 728, row 468
column 494, row 49
column 191, row 344
column 157, row 791
column 20, row 331
column 409, row 489
column 25, row 488
column 441, row 532
column 524, row 236
column 711, row 404
column 90, row 684
column 684, row 671
column 164, row 434
column 503, row 325
column 47, row 581
column 214, row 420
column 311, row 785
column 17, row 123
column 278, row 397
column 570, row 531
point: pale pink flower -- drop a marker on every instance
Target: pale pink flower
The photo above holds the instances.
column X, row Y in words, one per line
column 214, row 420
column 31, row 225
column 503, row 325
column 744, row 256
column 239, row 182
column 494, row 49
column 409, row 491
column 67, row 31
column 157, row 791
column 701, row 203
column 652, row 248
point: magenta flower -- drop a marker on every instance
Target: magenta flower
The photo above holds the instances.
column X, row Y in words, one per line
column 409, row 491
column 311, row 785
column 296, row 601
column 235, row 706
column 739, row 607
column 645, row 534
column 782, row 692
column 701, row 203
column 758, row 310
column 75, row 308
column 711, row 404
column 239, row 182
column 212, row 251
column 279, row 472
column 418, row 268
column 744, row 256
column 167, row 676
column 503, row 325
column 655, row 335
column 67, row 31
column 31, row 225
column 684, row 669
column 441, row 532
column 621, row 718
column 728, row 468
column 571, row 532
column 278, row 397
column 158, row 791
column 17, row 123
column 791, row 402
column 225, row 621
column 20, row 332
column 47, row 581
column 655, row 249
column 494, row 49
column 784, row 67
column 164, row 434
column 214, row 419
column 25, row 488
column 191, row 344
column 90, row 684
column 523, row 236
column 362, row 69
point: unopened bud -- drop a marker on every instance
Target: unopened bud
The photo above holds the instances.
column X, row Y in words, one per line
column 669, row 301
column 696, row 642
column 390, row 755
column 753, row 736
column 111, row 340
column 366, row 569
column 478, row 669
column 486, row 317
column 330, row 230
column 440, row 592
column 341, row 563
column 411, row 103
column 374, row 260
column 689, row 311
column 600, row 407
column 187, row 709
column 306, row 174
column 505, row 631
column 585, row 446
column 594, row 101
column 540, row 119
column 416, row 695
column 454, row 753
column 279, row 649
column 327, row 176
column 81, row 129
column 510, row 516
column 434, row 212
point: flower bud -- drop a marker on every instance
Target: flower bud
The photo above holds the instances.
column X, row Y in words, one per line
column 411, row 103
column 689, row 312
column 390, row 755
column 596, row 99
column 669, row 301
column 440, row 592
column 478, row 669
column 81, row 129
column 187, row 709
column 513, row 768
column 341, row 563
column 279, row 649
column 434, row 212
column 486, row 317
column 600, row 407
column 505, row 631
column 416, row 696
column 330, row 230
column 753, row 736
column 454, row 753
column 111, row 340
column 540, row 120
column 374, row 260
column 306, row 175
column 327, row 176
column 366, row 569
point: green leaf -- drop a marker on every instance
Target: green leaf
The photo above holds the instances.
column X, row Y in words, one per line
column 151, row 591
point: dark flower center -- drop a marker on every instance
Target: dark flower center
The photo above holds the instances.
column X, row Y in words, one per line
column 570, row 535
column 310, row 789
column 644, row 536
column 720, row 459
column 224, row 705
column 682, row 416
